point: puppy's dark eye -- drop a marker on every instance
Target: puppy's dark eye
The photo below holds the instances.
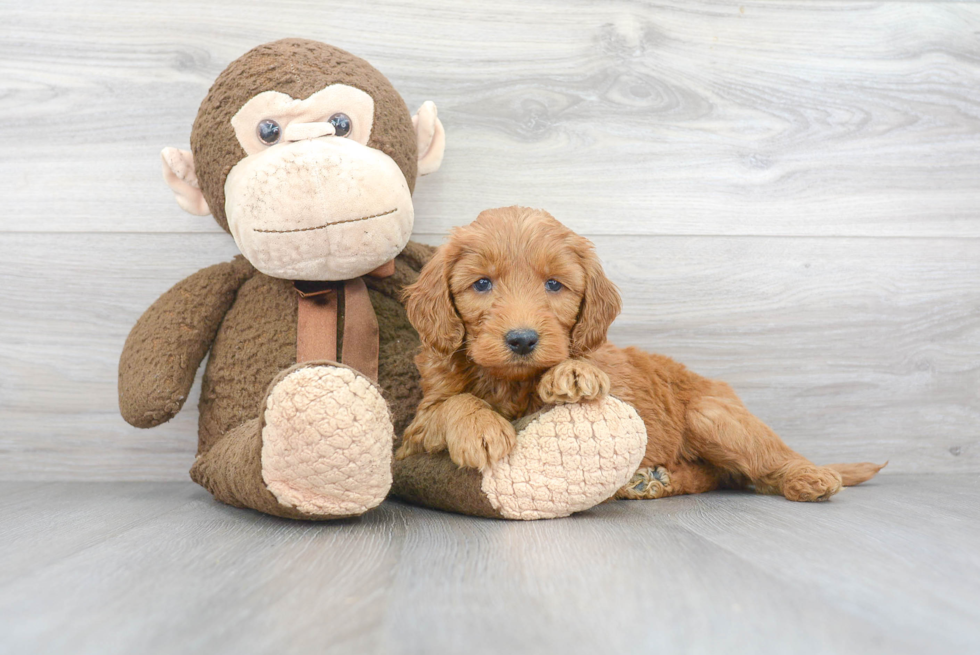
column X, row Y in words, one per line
column 268, row 132
column 341, row 124
column 553, row 285
column 482, row 285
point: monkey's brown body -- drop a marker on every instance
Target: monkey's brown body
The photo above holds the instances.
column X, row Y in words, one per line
column 248, row 320
column 257, row 340
column 308, row 156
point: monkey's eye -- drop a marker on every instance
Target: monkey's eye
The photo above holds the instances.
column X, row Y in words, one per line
column 553, row 285
column 482, row 285
column 269, row 132
column 341, row 124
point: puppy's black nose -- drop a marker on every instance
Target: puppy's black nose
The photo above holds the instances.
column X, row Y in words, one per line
column 521, row 341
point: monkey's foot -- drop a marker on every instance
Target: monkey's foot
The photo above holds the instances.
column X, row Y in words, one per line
column 646, row 483
column 567, row 459
column 326, row 441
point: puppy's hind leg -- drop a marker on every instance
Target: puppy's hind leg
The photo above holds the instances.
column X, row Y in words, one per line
column 726, row 434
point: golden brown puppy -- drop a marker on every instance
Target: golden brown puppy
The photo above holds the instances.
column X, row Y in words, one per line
column 513, row 312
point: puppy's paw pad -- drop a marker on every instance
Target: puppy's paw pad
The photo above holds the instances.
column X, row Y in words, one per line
column 420, row 437
column 573, row 381
column 811, row 484
column 646, row 483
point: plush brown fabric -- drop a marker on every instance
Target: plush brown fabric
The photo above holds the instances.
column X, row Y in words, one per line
column 165, row 347
column 435, row 481
column 257, row 340
column 232, row 471
column 398, row 376
column 299, row 68
column 249, row 322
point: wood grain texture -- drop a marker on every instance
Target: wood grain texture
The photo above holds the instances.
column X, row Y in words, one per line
column 890, row 567
column 796, row 118
column 786, row 193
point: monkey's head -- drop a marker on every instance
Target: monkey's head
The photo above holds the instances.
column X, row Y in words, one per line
column 308, row 156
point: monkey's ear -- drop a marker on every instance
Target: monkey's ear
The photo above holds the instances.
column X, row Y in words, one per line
column 431, row 137
column 178, row 173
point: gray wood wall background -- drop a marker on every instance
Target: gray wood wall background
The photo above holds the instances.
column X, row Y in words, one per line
column 787, row 193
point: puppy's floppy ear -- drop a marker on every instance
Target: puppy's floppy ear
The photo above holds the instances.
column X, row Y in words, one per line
column 600, row 303
column 430, row 305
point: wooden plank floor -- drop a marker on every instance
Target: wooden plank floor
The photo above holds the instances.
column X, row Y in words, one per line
column 143, row 567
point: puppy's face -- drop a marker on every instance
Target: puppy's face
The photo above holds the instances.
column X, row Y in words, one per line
column 518, row 289
column 518, row 301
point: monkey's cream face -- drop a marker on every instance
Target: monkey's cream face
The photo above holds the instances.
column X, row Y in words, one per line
column 311, row 200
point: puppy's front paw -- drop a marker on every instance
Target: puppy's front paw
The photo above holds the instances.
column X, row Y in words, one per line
column 480, row 439
column 573, row 381
column 420, row 436
column 411, row 444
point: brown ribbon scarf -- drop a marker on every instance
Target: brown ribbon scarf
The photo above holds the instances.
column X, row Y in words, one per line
column 316, row 328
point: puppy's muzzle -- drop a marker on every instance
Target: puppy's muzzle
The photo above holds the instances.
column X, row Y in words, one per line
column 521, row 342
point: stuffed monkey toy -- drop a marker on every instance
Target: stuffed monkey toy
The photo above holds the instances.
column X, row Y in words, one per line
column 308, row 157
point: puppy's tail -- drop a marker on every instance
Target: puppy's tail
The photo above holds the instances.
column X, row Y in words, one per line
column 857, row 473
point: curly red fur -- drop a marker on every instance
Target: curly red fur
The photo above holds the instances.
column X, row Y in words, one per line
column 473, row 384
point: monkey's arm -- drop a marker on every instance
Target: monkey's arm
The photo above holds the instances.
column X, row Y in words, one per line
column 168, row 342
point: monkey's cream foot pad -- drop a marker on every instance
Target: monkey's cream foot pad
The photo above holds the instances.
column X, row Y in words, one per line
column 326, row 442
column 567, row 459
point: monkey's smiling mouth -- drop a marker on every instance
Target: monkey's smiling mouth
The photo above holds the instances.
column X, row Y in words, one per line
column 326, row 225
